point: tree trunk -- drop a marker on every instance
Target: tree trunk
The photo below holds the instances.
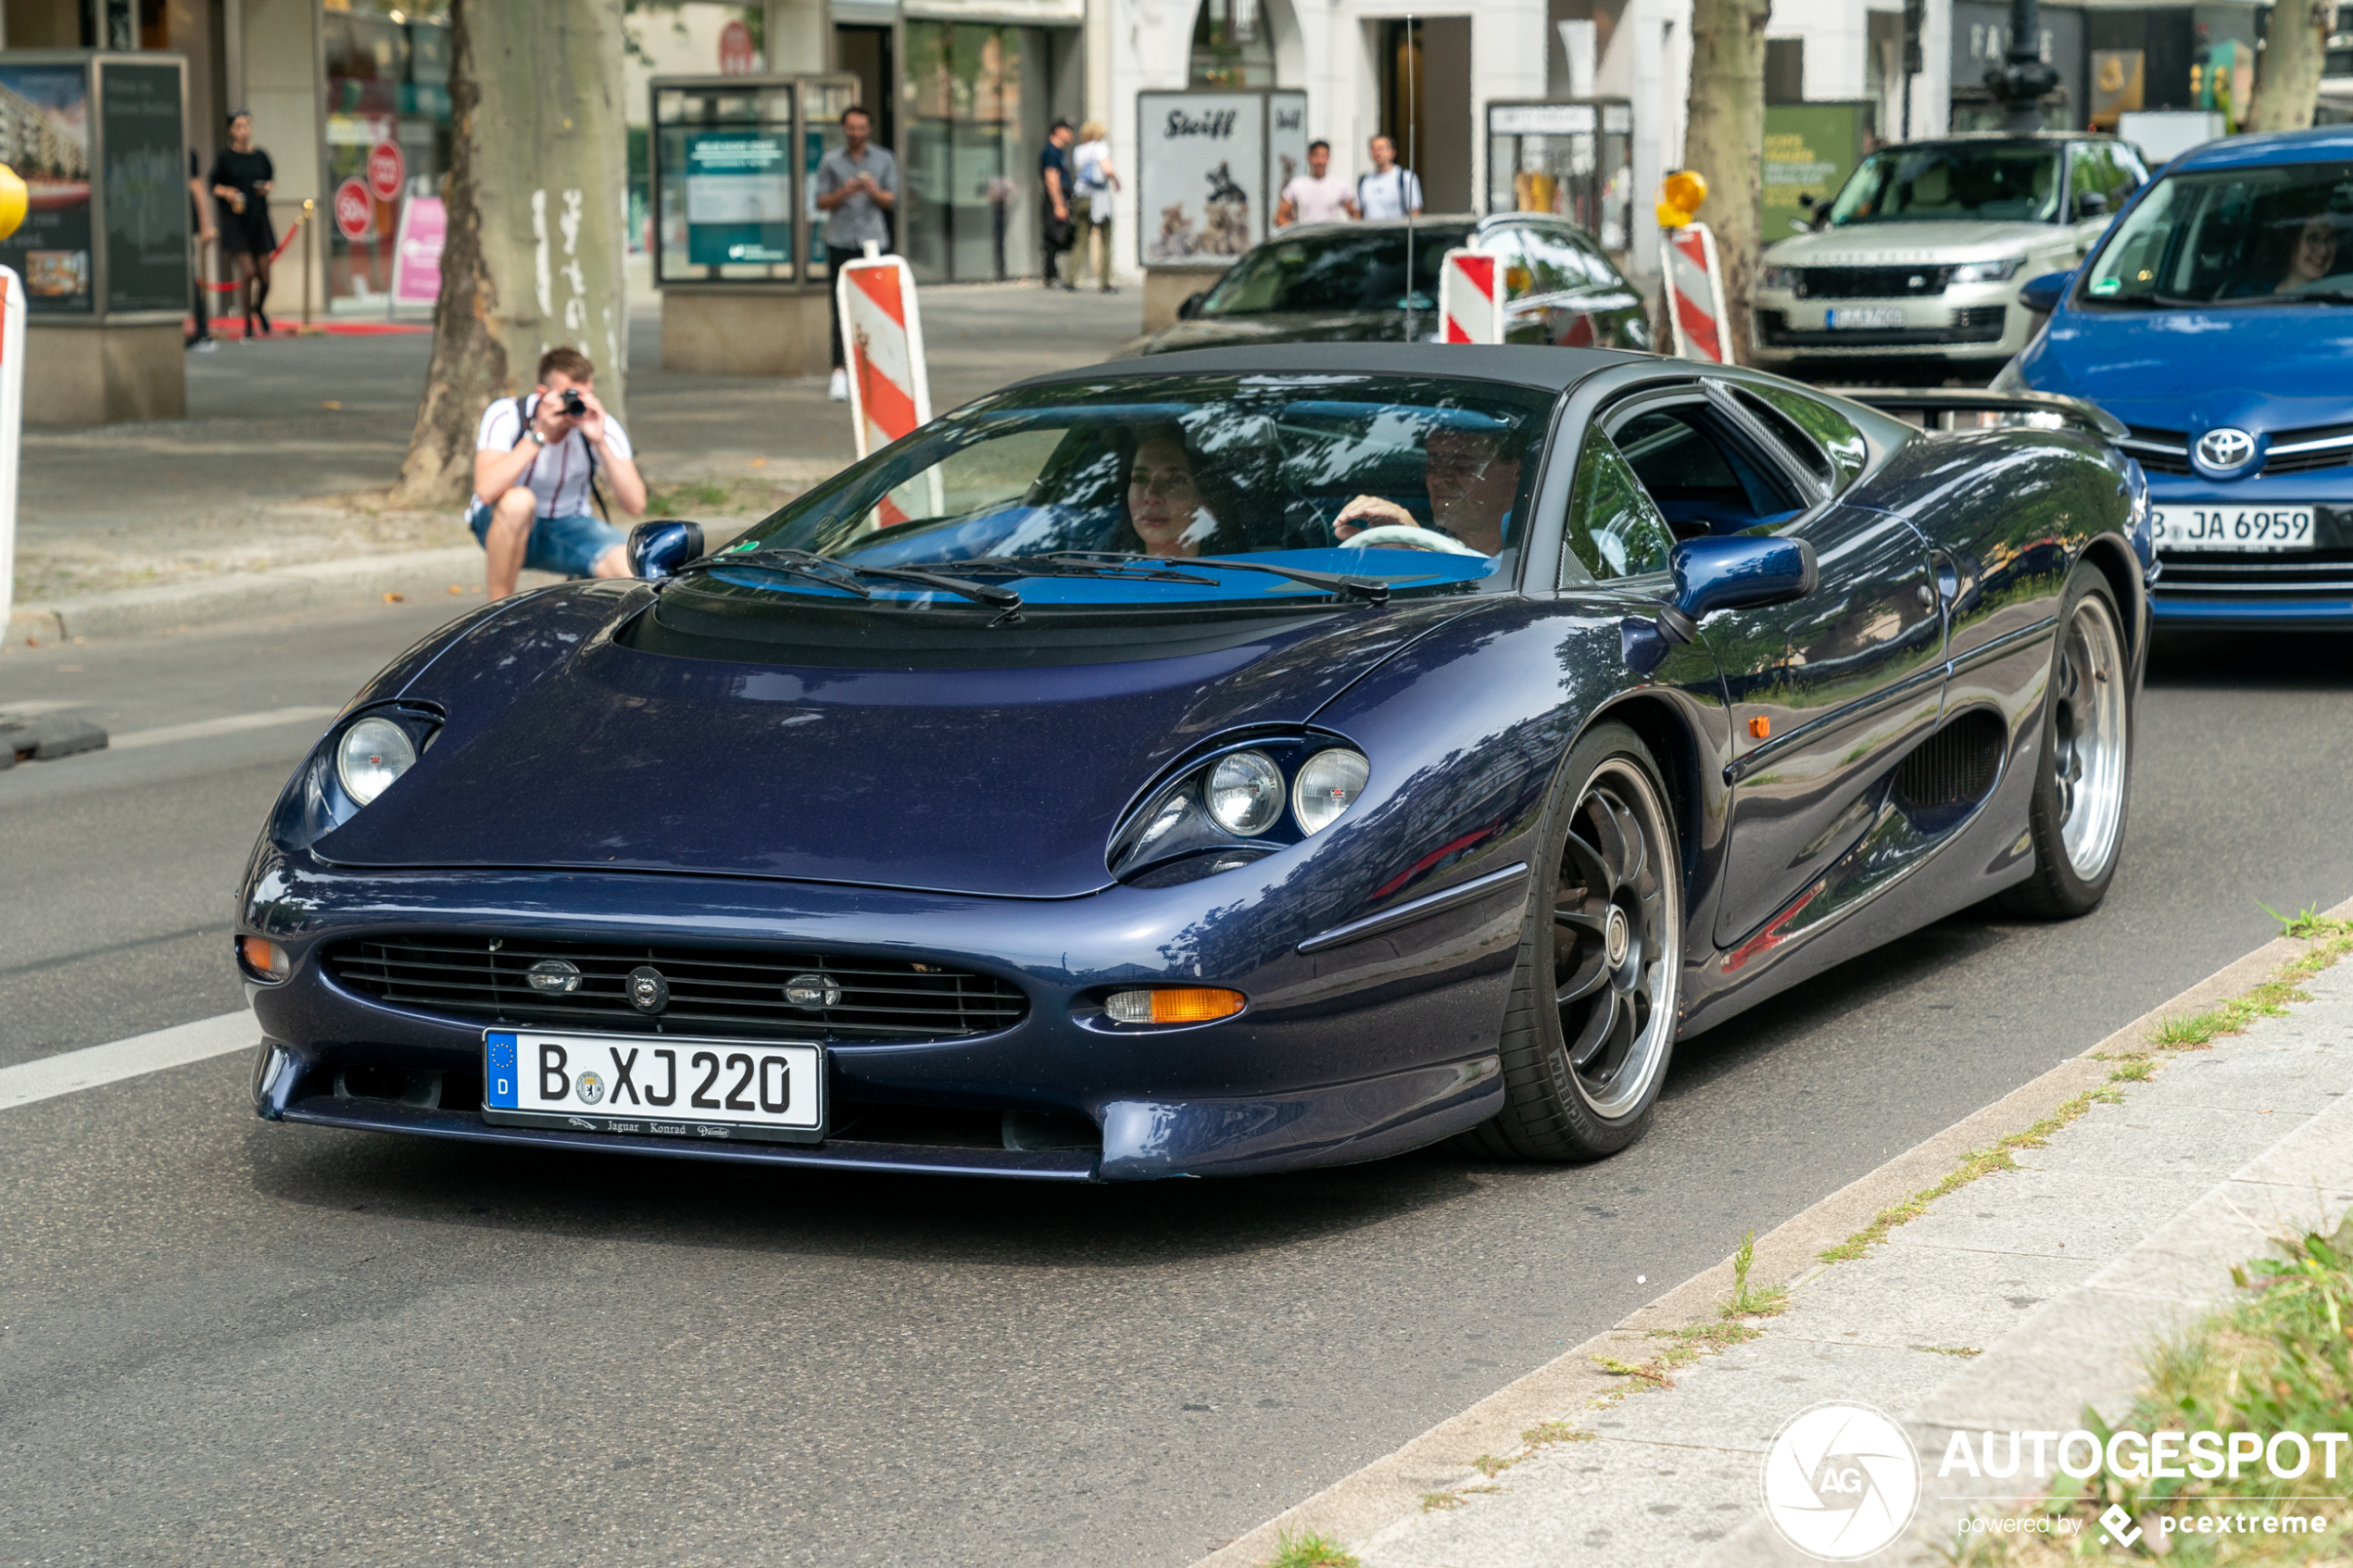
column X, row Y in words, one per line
column 1725, row 143
column 537, row 199
column 2295, row 41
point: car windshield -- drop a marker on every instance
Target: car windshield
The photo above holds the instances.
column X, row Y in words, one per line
column 1341, row 269
column 1989, row 181
column 1057, row 492
column 2246, row 236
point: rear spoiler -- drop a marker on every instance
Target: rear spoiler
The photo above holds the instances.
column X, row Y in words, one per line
column 1960, row 409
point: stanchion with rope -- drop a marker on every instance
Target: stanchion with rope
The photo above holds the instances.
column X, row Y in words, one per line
column 13, row 201
column 233, row 287
column 1695, row 309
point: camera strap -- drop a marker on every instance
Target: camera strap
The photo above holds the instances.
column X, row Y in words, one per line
column 522, row 429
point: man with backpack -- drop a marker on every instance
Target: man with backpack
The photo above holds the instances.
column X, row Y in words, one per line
column 536, row 458
column 1389, row 190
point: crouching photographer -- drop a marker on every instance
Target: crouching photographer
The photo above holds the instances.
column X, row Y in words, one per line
column 537, row 459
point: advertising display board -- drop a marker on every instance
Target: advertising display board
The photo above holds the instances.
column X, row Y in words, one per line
column 44, row 122
column 416, row 252
column 734, row 160
column 1210, row 167
column 1809, row 150
column 739, row 196
column 146, row 201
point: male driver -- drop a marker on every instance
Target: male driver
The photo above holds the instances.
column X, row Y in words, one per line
column 1387, row 191
column 1316, row 196
column 1054, row 173
column 536, row 466
column 1472, row 485
column 857, row 184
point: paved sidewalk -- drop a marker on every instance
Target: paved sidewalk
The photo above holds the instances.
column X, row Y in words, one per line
column 291, row 446
column 2013, row 1302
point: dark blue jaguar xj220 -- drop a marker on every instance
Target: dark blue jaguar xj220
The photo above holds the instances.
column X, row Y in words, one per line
column 1224, row 762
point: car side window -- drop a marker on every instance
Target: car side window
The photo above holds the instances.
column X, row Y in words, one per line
column 1615, row 529
column 1806, row 422
column 1704, row 473
column 1511, row 261
column 1560, row 262
column 2095, row 169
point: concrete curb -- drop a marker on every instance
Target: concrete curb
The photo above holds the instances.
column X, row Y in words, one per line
column 1357, row 1506
column 417, row 574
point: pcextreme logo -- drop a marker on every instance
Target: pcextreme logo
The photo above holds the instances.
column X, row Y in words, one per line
column 1841, row 1481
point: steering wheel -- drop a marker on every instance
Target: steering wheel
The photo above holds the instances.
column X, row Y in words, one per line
column 1405, row 536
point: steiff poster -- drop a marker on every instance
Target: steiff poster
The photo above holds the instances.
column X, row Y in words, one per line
column 1201, row 175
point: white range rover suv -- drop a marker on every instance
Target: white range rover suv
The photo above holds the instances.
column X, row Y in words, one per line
column 1919, row 256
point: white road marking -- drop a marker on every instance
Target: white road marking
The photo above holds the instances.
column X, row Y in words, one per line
column 229, row 725
column 86, row 1068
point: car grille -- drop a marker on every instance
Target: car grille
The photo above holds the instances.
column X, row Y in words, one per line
column 1981, row 323
column 2168, row 451
column 2207, row 576
column 2159, row 451
column 1870, row 283
column 729, row 990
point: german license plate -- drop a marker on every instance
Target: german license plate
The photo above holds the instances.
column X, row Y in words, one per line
column 2233, row 528
column 1865, row 317
column 658, row 1085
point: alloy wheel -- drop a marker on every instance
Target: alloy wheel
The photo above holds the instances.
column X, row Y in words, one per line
column 2089, row 739
column 1617, row 940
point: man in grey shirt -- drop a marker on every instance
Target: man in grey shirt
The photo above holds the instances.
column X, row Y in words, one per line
column 857, row 183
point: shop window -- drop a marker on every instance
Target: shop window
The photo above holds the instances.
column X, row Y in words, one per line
column 1232, row 47
column 387, row 87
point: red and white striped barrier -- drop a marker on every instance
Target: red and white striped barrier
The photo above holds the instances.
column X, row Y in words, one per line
column 1695, row 296
column 1470, row 299
column 882, row 334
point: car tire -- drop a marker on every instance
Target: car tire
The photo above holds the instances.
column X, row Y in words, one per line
column 2083, row 771
column 1590, row 1024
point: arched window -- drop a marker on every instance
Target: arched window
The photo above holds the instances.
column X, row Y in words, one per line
column 1232, row 47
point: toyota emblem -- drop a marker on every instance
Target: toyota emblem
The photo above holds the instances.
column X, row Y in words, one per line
column 648, row 989
column 2225, row 449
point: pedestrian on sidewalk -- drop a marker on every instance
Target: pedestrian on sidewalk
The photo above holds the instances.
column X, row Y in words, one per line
column 1096, row 186
column 241, row 179
column 1318, row 196
column 535, row 462
column 200, row 225
column 857, row 187
column 1390, row 189
column 1056, row 231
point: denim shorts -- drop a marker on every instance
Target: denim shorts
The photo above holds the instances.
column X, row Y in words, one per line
column 567, row 547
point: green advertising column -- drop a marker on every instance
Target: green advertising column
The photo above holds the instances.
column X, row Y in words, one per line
column 1809, row 150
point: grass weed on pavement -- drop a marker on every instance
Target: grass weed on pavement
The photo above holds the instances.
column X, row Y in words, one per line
column 2279, row 1359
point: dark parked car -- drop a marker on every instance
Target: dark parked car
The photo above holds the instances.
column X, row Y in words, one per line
column 1360, row 282
column 1225, row 762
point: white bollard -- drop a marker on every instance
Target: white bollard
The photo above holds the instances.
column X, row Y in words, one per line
column 11, row 432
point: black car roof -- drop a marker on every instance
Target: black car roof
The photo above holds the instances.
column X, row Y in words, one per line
column 1542, row 370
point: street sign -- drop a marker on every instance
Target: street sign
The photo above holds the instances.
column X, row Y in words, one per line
column 355, row 211
column 734, row 49
column 387, row 170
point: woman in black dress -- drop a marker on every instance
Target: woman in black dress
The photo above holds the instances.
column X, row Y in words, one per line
column 242, row 176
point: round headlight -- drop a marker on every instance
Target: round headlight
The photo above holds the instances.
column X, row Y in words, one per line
column 1246, row 793
column 1326, row 786
column 371, row 754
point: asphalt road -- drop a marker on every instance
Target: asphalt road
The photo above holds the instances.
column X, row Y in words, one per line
column 225, row 1341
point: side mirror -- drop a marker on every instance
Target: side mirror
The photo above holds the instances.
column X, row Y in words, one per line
column 656, row 549
column 2092, row 204
column 1192, row 307
column 1799, row 226
column 1737, row 572
column 2043, row 294
column 1805, row 200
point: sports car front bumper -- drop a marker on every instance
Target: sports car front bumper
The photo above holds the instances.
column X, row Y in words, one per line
column 1379, row 1042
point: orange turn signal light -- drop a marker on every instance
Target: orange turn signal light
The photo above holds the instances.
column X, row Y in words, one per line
column 1760, row 727
column 1173, row 1004
column 264, row 959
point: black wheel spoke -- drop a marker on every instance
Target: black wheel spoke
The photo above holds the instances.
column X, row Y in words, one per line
column 1609, row 830
column 1578, row 920
column 1591, row 869
column 1599, row 1025
column 1591, row 976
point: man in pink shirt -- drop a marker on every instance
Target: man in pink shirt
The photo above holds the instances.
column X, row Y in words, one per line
column 1315, row 197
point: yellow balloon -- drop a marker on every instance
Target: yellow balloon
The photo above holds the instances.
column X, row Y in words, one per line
column 12, row 200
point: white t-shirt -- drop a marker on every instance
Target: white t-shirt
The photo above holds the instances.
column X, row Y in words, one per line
column 1088, row 158
column 559, row 475
column 1389, row 195
column 1317, row 201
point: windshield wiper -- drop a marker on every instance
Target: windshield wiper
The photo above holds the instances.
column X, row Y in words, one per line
column 845, row 575
column 1368, row 588
column 1062, row 566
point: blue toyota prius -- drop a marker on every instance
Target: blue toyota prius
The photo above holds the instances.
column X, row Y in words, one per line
column 2216, row 320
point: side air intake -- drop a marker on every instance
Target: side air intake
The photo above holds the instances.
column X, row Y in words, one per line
column 1950, row 771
